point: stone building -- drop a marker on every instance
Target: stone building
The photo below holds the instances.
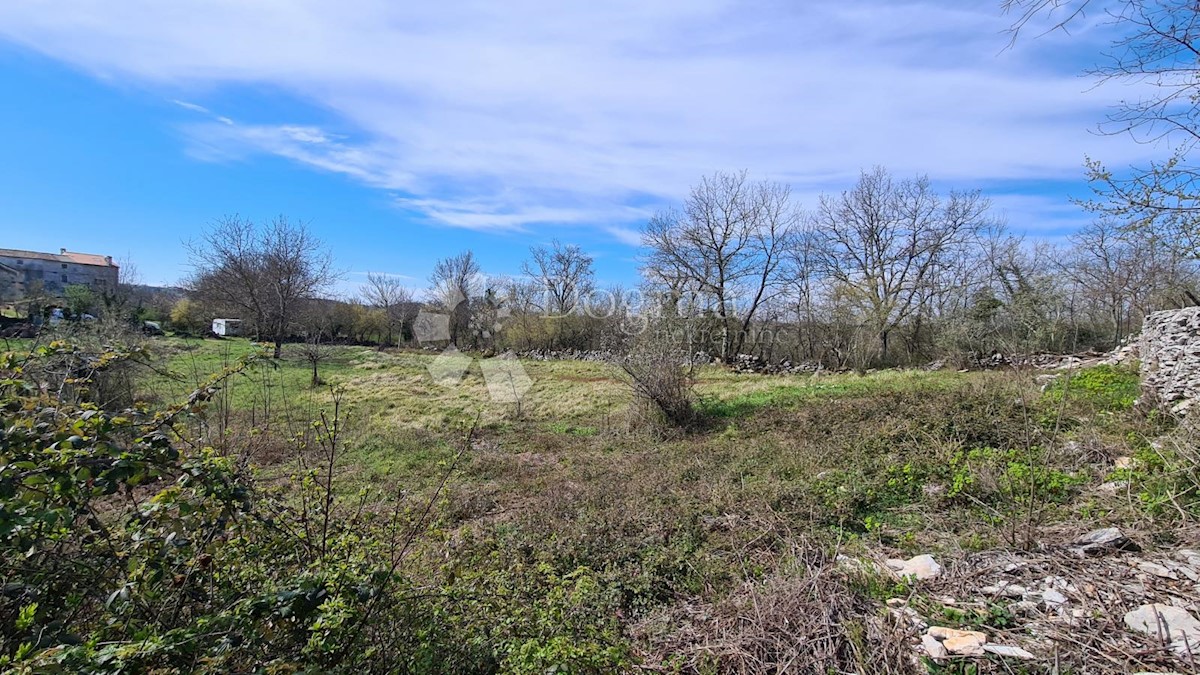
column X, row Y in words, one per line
column 23, row 273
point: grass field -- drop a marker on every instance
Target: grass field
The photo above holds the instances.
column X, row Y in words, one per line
column 861, row 454
column 620, row 542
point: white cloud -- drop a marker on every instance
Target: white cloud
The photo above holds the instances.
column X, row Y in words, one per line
column 1040, row 216
column 393, row 275
column 187, row 105
column 625, row 235
column 506, row 116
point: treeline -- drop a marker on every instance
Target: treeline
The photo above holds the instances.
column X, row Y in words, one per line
column 889, row 272
column 892, row 272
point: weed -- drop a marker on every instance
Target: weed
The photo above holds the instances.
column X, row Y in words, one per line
column 1101, row 388
column 572, row 430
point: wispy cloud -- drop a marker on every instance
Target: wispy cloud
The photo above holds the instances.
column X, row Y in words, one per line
column 506, row 116
column 187, row 105
column 391, row 275
column 625, row 235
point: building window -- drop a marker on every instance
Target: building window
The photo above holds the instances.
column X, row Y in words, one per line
column 64, row 278
column 64, row 266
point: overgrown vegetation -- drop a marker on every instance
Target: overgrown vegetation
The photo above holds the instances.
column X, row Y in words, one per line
column 242, row 519
column 320, row 503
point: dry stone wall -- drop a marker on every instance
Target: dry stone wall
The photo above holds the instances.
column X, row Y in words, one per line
column 1169, row 350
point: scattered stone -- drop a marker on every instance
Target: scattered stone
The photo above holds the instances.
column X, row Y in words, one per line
column 1058, row 584
column 1123, row 463
column 1113, row 487
column 961, row 642
column 1189, row 556
column 1137, row 589
column 1157, row 570
column 1007, row 590
column 1180, row 628
column 1024, row 607
column 896, row 602
column 933, row 647
column 908, row 614
column 1099, row 542
column 1044, row 381
column 1053, row 598
column 1188, row 572
column 922, row 567
column 848, row 564
column 1004, row 650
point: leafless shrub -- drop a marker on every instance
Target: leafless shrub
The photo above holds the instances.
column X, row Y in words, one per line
column 661, row 378
column 314, row 352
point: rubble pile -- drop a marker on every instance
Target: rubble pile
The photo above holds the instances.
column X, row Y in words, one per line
column 1100, row 588
column 1041, row 361
column 566, row 355
column 750, row 363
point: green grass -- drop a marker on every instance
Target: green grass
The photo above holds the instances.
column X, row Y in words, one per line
column 179, row 365
column 572, row 430
column 787, row 392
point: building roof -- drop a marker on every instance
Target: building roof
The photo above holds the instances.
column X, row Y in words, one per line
column 65, row 256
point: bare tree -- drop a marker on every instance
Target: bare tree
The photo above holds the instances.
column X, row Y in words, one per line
column 884, row 241
column 1158, row 50
column 125, row 302
column 520, row 296
column 227, row 268
column 1109, row 270
column 266, row 271
column 802, row 276
column 1057, row 14
column 726, row 245
column 564, row 274
column 1125, row 275
column 388, row 294
column 455, row 280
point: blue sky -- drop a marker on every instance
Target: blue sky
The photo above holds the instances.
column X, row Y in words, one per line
column 404, row 132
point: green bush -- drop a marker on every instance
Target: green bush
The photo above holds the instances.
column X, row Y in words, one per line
column 991, row 476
